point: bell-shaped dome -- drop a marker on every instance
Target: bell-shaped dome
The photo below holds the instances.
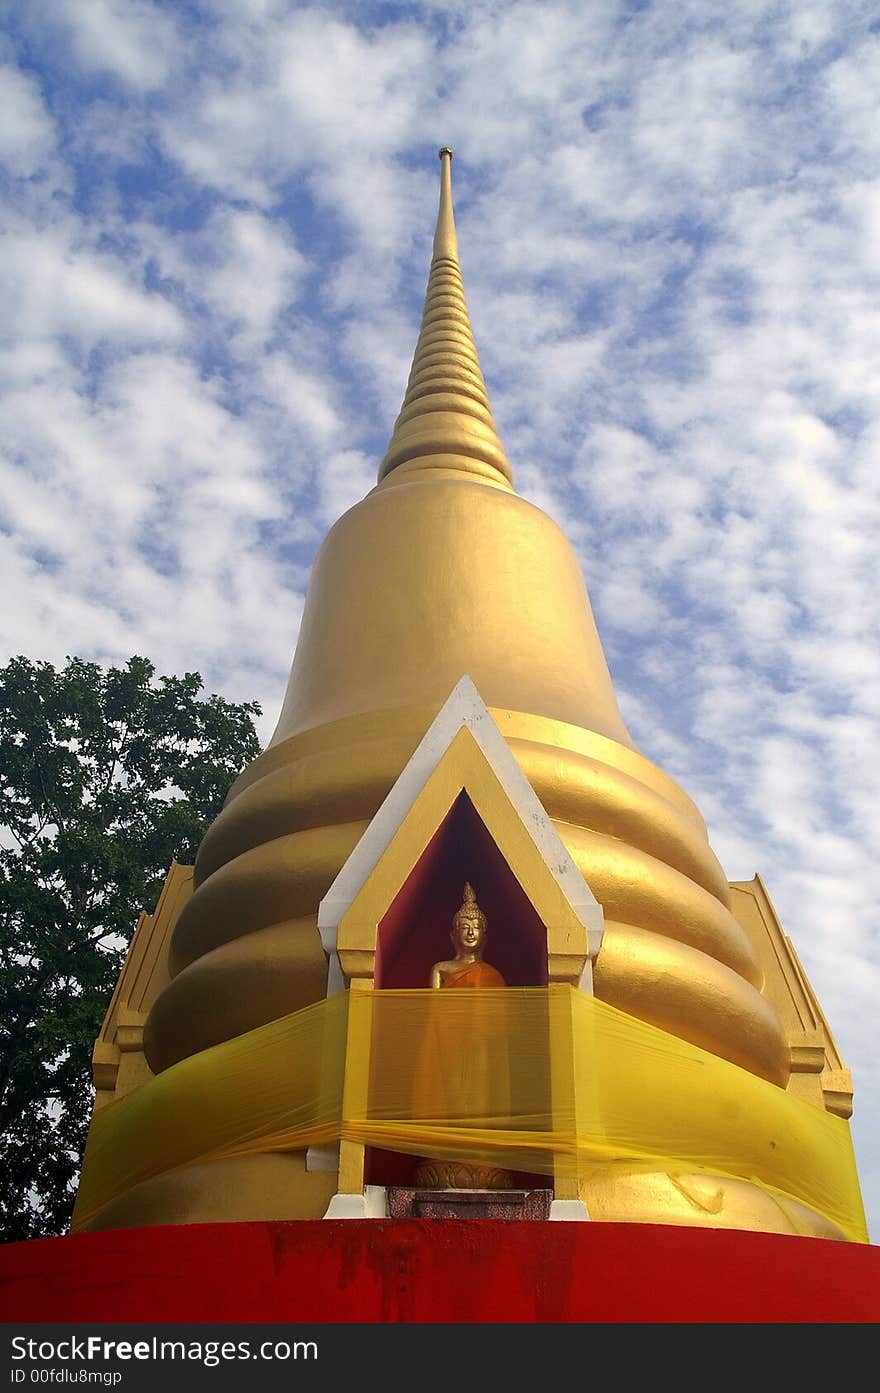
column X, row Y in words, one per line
column 443, row 570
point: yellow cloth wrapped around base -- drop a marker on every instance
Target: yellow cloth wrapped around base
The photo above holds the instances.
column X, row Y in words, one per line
column 579, row 1086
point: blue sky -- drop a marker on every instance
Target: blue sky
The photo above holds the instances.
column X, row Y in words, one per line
column 217, row 221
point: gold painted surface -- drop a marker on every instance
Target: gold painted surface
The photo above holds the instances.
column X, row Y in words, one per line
column 419, row 583
column 279, row 880
column 641, row 889
column 818, row 1074
column 446, row 414
column 463, row 767
column 118, row 1061
column 271, row 1186
column 291, row 872
column 235, row 988
column 693, row 996
column 339, row 783
column 244, row 1188
column 443, row 570
column 699, row 1201
column 586, row 1087
column 406, row 725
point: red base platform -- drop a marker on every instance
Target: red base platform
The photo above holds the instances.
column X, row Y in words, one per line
column 422, row 1270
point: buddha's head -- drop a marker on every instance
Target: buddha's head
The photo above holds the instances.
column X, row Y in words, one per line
column 469, row 925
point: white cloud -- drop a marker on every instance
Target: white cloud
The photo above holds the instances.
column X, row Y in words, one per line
column 240, row 266
column 27, row 136
column 53, row 286
column 131, row 39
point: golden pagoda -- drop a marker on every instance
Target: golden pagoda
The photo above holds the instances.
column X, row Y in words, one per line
column 443, row 572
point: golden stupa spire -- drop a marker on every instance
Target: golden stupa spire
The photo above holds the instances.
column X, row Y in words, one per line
column 446, row 421
column 444, row 570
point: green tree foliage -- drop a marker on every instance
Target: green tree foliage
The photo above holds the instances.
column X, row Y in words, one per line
column 106, row 775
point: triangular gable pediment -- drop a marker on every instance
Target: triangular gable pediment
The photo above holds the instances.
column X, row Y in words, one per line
column 463, row 753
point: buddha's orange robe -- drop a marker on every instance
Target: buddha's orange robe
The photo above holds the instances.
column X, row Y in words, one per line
column 475, row 974
column 463, row 1064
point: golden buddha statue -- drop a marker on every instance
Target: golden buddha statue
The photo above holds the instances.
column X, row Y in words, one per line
column 467, row 968
column 477, row 1054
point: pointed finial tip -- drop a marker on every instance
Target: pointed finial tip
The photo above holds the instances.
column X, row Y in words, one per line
column 445, row 150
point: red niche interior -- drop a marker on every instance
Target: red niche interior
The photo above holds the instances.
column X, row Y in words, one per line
column 414, row 933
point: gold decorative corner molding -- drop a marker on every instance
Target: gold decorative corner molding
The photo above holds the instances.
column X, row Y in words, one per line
column 118, row 1063
column 818, row 1074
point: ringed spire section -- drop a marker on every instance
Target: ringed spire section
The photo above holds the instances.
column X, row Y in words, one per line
column 446, row 421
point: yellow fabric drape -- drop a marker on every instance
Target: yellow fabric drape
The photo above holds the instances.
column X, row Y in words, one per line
column 578, row 1086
